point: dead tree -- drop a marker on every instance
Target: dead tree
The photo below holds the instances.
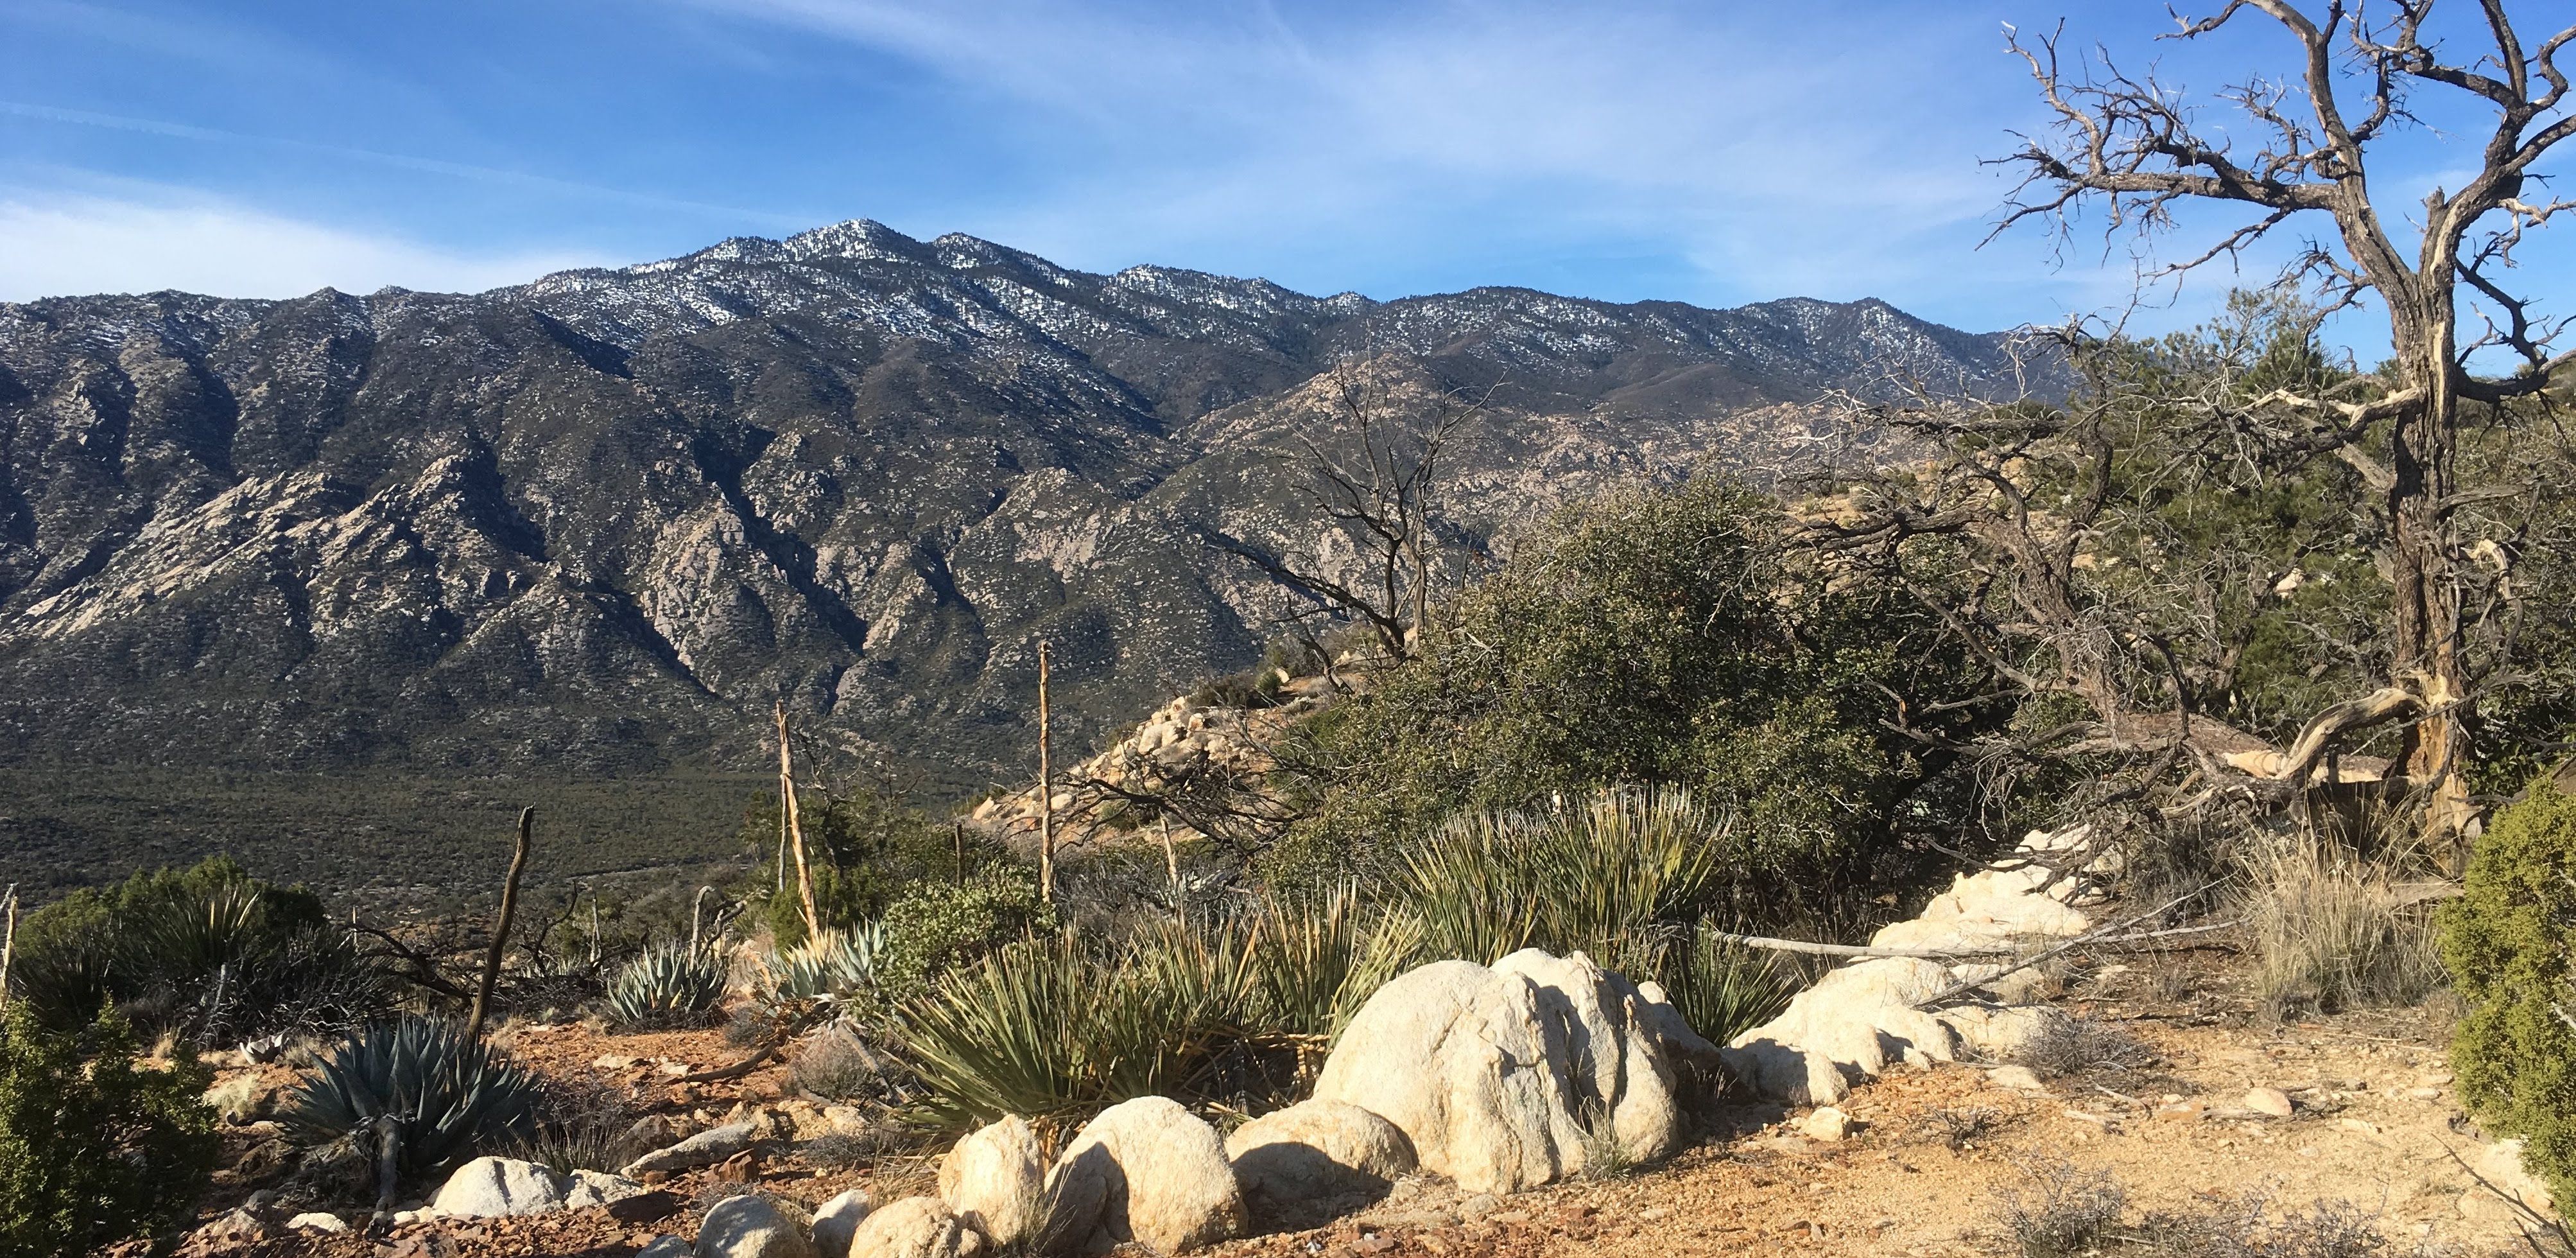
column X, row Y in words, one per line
column 795, row 827
column 1376, row 477
column 2137, row 147
column 501, row 927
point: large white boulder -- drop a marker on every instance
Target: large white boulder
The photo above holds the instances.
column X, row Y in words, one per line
column 753, row 1227
column 1869, row 1014
column 1502, row 1078
column 915, row 1227
column 1146, row 1170
column 495, row 1187
column 995, row 1179
column 1315, row 1152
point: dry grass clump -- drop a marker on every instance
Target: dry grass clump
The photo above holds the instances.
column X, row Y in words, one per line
column 2332, row 932
column 2065, row 1212
column 2082, row 1047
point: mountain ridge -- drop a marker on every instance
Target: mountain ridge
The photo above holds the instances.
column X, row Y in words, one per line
column 602, row 519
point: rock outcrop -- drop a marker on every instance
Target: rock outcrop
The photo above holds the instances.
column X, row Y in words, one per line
column 995, row 1180
column 1503, row 1078
column 1864, row 1016
column 706, row 1148
column 1146, row 1170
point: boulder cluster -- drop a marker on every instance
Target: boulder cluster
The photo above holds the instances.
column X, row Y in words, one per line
column 1501, row 1078
column 1866, row 1015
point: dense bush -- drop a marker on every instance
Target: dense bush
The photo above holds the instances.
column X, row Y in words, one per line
column 94, row 1148
column 863, row 851
column 448, row 1094
column 940, row 925
column 1658, row 636
column 2508, row 943
column 211, row 953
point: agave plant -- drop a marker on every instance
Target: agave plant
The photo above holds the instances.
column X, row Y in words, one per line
column 444, row 1092
column 829, row 968
column 672, row 984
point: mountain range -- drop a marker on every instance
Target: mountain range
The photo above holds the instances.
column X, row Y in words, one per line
column 599, row 523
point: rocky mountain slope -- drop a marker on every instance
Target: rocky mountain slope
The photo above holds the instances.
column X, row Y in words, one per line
column 599, row 522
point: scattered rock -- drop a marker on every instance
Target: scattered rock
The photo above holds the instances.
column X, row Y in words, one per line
column 2424, row 1094
column 664, row 1247
column 1317, row 1150
column 1491, row 1073
column 2018, row 1078
column 2179, row 1111
column 598, row 1188
column 753, row 1227
column 837, row 1220
column 2271, row 1101
column 1151, row 1171
column 613, row 1061
column 995, row 1179
column 317, row 1221
column 707, row 1148
column 915, row 1227
column 1828, row 1125
column 497, row 1187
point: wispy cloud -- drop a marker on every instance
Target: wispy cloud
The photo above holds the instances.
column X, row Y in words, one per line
column 1758, row 154
column 63, row 245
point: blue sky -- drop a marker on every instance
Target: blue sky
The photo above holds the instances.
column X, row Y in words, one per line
column 1715, row 153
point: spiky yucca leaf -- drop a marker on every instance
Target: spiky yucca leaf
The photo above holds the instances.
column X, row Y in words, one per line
column 1614, row 875
column 1723, row 989
column 1320, row 958
column 671, row 984
column 447, row 1093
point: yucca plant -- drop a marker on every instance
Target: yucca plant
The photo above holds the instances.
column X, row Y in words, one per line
column 1319, row 959
column 673, row 984
column 445, row 1093
column 1723, row 989
column 1614, row 875
column 1050, row 1029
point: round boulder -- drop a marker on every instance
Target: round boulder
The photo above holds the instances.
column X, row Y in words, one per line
column 753, row 1227
column 995, row 1179
column 1317, row 1156
column 495, row 1187
column 1147, row 1170
column 915, row 1227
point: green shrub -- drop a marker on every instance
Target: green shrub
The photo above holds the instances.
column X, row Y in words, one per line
column 939, row 926
column 2507, row 941
column 99, row 1150
column 447, row 1093
column 210, row 953
column 1661, row 636
column 863, row 851
column 670, row 985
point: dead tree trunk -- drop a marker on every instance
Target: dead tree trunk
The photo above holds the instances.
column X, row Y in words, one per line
column 1046, row 790
column 501, row 928
column 796, row 829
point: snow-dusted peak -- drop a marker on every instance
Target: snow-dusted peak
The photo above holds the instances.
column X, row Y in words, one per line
column 860, row 239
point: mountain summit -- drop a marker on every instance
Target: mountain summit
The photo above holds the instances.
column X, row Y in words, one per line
column 601, row 521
